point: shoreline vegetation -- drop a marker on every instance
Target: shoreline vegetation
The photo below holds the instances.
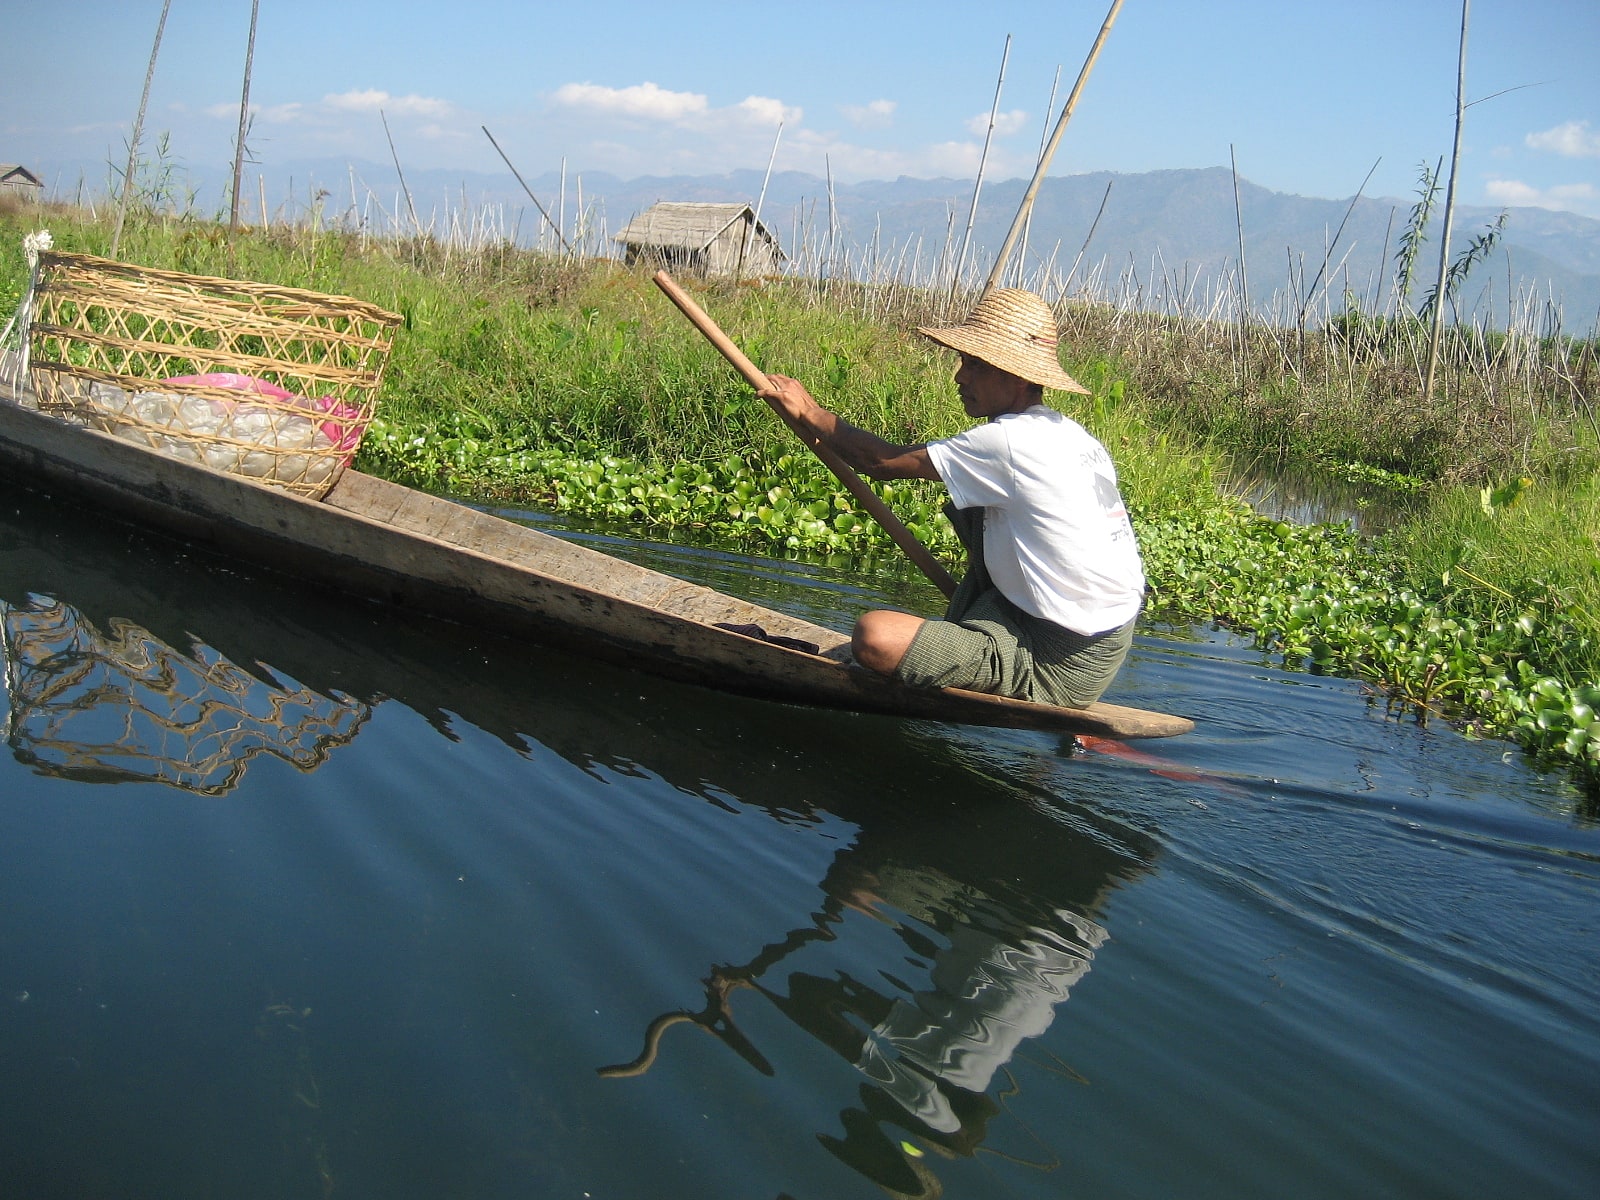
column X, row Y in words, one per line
column 571, row 384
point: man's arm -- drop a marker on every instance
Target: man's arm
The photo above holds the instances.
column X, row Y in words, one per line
column 866, row 452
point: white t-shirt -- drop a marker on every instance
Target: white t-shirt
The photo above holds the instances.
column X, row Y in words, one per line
column 1056, row 536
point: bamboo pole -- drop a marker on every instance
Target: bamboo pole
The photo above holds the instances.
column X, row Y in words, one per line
column 1329, row 247
column 755, row 217
column 1238, row 221
column 1026, row 207
column 833, row 222
column 244, row 125
column 560, row 237
column 854, row 484
column 983, row 159
column 1044, row 139
column 416, row 225
column 138, row 128
column 1437, row 323
column 1088, row 237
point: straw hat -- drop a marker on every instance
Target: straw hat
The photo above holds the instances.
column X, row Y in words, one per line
column 1014, row 330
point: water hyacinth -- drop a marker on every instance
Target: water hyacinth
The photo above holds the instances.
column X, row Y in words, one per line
column 788, row 502
column 1320, row 597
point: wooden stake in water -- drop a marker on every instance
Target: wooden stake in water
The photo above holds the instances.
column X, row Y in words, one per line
column 416, row 225
column 1044, row 140
column 1238, row 221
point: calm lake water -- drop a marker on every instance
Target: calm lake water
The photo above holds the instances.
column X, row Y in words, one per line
column 303, row 898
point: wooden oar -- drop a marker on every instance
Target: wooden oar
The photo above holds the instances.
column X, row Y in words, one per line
column 857, row 487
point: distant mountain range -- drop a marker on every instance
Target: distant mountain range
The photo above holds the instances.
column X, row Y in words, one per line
column 1166, row 237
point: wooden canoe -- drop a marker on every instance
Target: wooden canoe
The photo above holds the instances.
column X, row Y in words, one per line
column 382, row 541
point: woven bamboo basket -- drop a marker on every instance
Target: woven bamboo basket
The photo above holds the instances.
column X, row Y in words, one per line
column 277, row 384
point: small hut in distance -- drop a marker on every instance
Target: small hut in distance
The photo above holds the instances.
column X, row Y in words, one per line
column 705, row 239
column 16, row 180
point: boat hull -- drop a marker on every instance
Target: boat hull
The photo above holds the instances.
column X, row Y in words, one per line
column 385, row 542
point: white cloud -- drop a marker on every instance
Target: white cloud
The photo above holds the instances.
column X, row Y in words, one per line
column 1511, row 191
column 875, row 114
column 645, row 128
column 1005, row 124
column 958, row 160
column 763, row 110
column 1572, row 139
column 333, row 106
column 371, row 100
column 435, row 132
column 720, row 140
column 823, row 153
column 278, row 114
column 641, row 100
column 649, row 101
column 1581, row 198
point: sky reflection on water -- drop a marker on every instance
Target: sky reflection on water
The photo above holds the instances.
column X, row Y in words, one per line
column 458, row 917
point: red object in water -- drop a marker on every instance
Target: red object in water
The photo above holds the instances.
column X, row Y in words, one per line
column 1158, row 766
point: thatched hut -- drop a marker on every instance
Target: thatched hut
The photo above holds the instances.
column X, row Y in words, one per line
column 706, row 239
column 18, row 182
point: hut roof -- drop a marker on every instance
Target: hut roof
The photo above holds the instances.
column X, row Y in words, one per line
column 16, row 173
column 687, row 225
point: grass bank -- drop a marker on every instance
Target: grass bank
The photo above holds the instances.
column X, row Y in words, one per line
column 528, row 379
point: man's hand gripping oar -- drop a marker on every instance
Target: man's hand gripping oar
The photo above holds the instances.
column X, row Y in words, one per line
column 854, row 484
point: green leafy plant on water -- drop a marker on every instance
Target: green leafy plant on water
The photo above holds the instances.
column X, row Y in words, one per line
column 1396, row 483
column 1321, row 597
column 786, row 501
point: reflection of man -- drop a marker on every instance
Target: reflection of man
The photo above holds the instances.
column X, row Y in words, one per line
column 1047, row 608
column 975, row 931
column 988, row 995
column 990, row 992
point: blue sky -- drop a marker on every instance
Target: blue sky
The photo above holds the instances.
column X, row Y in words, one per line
column 1309, row 95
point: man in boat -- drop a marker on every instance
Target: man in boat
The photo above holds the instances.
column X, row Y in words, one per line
column 1054, row 580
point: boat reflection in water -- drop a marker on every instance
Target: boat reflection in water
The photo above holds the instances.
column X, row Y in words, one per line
column 984, row 890
column 123, row 705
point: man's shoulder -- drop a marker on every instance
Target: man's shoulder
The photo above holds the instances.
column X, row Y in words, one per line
column 1040, row 415
column 1042, row 421
column 1038, row 428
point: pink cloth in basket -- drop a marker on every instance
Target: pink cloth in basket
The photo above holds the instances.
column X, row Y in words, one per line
column 344, row 430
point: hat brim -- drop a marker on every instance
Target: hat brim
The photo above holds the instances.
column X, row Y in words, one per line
column 1030, row 362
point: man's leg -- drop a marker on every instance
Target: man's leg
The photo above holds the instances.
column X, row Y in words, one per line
column 882, row 637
